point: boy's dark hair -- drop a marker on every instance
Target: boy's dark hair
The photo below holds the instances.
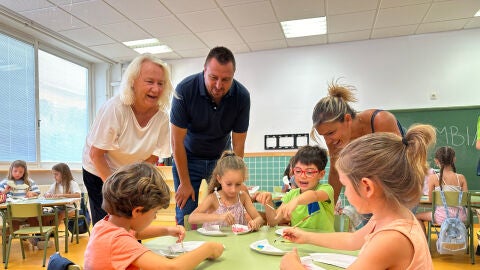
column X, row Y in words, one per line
column 134, row 185
column 311, row 155
column 223, row 56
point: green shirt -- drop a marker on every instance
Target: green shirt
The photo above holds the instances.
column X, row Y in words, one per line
column 478, row 129
column 322, row 221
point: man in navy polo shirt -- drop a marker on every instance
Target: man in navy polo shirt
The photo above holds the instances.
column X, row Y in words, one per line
column 210, row 113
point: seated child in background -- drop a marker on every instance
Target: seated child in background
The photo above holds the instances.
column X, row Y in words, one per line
column 18, row 184
column 226, row 204
column 447, row 180
column 64, row 186
column 288, row 177
column 131, row 197
column 383, row 175
column 309, row 168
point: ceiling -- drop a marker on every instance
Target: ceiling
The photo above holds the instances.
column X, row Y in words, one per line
column 192, row 27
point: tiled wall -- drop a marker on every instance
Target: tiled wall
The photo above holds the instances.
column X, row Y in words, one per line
column 267, row 172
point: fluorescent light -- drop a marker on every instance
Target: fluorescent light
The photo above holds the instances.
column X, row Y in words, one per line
column 305, row 27
column 151, row 45
column 477, row 14
column 154, row 49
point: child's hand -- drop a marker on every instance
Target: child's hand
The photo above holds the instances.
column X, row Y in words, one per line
column 253, row 225
column 30, row 194
column 216, row 250
column 294, row 235
column 228, row 218
column 291, row 260
column 285, row 210
column 7, row 189
column 177, row 231
column 264, row 198
column 49, row 195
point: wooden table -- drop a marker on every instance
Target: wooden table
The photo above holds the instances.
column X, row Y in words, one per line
column 53, row 202
column 237, row 253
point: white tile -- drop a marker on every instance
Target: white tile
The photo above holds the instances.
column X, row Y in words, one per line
column 54, row 18
column 168, row 56
column 238, row 48
column 401, row 3
column 87, row 36
column 268, row 45
column 226, row 3
column 224, row 36
column 116, row 51
column 261, row 32
column 183, row 42
column 140, row 9
column 94, row 12
column 401, row 15
column 348, row 36
column 207, row 20
column 25, row 5
column 350, row 22
column 124, row 31
column 306, row 41
column 350, row 6
column 302, row 9
column 394, row 31
column 441, row 26
column 250, row 14
column 185, row 6
column 451, row 10
column 164, row 26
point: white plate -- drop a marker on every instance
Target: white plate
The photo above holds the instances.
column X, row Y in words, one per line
column 340, row 260
column 263, row 246
column 308, row 263
column 240, row 229
column 176, row 249
column 211, row 232
column 279, row 231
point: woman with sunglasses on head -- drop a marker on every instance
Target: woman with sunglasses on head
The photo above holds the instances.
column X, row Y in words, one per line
column 308, row 168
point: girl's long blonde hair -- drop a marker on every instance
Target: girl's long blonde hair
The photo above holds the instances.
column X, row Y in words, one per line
column 228, row 161
column 23, row 164
column 397, row 164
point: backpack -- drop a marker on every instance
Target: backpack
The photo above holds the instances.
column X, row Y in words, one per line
column 452, row 238
column 82, row 225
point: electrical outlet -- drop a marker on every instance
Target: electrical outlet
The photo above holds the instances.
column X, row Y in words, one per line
column 433, row 96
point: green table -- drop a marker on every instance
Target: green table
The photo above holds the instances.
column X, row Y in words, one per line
column 237, row 253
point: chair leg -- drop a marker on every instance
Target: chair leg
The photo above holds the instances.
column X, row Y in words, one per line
column 7, row 255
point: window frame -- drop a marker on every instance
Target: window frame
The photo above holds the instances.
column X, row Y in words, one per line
column 40, row 45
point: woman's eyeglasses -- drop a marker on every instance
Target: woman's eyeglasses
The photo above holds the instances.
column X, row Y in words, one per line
column 308, row 173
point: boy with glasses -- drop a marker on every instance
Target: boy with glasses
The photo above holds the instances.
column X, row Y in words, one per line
column 308, row 168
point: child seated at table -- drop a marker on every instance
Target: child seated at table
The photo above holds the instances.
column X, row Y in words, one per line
column 64, row 186
column 131, row 197
column 18, row 184
column 383, row 174
column 226, row 203
column 308, row 168
column 447, row 180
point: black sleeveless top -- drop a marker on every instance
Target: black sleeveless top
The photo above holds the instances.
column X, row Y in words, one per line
column 372, row 119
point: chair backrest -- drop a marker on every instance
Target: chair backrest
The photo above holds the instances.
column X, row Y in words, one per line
column 451, row 198
column 24, row 210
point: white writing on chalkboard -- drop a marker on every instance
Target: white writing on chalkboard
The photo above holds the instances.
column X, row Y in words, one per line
column 457, row 137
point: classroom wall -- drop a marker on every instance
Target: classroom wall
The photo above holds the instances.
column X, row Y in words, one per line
column 392, row 73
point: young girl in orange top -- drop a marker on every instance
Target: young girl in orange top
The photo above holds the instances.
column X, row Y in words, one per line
column 383, row 174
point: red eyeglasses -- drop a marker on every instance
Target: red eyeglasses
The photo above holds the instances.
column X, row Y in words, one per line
column 308, row 173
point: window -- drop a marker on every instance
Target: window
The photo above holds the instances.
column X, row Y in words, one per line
column 62, row 119
column 63, row 89
column 17, row 109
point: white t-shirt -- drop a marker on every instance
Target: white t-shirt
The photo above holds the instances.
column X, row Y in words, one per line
column 116, row 130
column 74, row 188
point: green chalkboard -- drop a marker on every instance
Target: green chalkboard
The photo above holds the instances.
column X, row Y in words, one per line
column 457, row 128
